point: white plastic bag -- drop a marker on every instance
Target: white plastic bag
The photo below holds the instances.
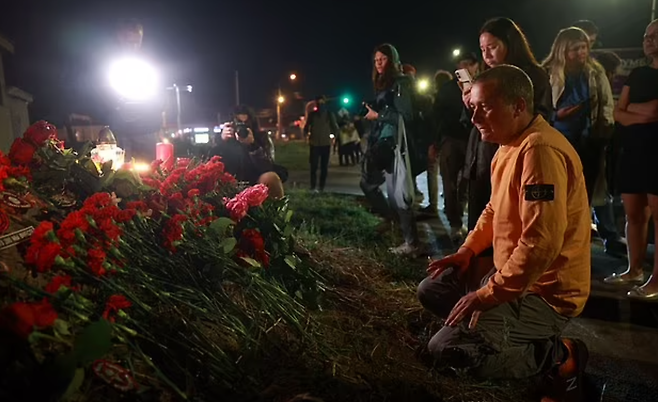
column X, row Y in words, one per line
column 401, row 188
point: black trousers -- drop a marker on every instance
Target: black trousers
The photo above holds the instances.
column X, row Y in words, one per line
column 319, row 157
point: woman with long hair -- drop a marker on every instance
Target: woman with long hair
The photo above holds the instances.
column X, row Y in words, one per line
column 583, row 101
column 582, row 98
column 392, row 108
column 637, row 112
column 501, row 42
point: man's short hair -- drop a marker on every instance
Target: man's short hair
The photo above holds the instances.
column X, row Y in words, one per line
column 512, row 84
column 588, row 26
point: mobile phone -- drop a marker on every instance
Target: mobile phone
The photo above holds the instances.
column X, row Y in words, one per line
column 463, row 76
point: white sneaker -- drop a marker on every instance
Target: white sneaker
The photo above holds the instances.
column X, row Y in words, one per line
column 458, row 234
column 405, row 249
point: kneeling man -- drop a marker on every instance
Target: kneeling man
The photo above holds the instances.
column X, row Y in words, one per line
column 506, row 321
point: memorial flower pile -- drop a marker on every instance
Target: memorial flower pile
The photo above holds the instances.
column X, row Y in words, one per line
column 161, row 286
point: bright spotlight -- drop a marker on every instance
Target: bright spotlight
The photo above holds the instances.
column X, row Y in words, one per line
column 423, row 85
column 134, row 79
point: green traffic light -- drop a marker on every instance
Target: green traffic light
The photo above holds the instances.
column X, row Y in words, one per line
column 346, row 100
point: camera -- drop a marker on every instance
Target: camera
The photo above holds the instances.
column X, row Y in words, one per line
column 241, row 129
column 363, row 111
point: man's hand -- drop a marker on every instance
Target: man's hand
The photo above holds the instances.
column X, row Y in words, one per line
column 248, row 140
column 460, row 261
column 469, row 305
column 228, row 132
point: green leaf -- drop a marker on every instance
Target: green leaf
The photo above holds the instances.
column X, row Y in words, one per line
column 252, row 262
column 93, row 343
column 220, row 225
column 61, row 327
column 290, row 260
column 86, row 149
column 288, row 216
column 228, row 244
column 76, row 383
column 106, row 168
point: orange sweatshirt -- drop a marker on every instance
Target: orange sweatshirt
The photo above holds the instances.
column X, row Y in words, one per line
column 538, row 222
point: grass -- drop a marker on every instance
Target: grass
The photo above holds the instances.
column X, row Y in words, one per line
column 371, row 322
column 292, row 154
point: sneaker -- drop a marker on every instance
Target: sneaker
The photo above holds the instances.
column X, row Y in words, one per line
column 565, row 381
column 458, row 234
column 406, row 249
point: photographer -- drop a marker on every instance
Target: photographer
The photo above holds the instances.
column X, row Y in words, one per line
column 247, row 152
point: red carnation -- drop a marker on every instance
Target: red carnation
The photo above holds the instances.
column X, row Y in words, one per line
column 95, row 261
column 57, row 282
column 21, row 318
column 43, row 256
column 114, row 304
column 22, row 152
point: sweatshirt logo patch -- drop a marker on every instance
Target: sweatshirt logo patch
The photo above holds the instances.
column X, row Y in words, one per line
column 540, row 192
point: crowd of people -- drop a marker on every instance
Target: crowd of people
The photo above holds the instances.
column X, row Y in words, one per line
column 523, row 146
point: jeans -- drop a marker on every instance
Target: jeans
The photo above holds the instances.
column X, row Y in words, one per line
column 319, row 156
column 517, row 339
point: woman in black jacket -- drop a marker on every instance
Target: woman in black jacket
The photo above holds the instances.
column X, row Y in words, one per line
column 392, row 108
column 501, row 42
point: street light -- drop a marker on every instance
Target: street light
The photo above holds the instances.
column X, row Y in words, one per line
column 279, row 101
column 423, row 85
column 134, row 79
column 456, row 52
column 175, row 87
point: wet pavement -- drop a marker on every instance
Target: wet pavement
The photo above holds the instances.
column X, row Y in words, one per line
column 622, row 335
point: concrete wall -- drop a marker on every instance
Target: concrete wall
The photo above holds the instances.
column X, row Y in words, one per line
column 14, row 118
column 6, row 131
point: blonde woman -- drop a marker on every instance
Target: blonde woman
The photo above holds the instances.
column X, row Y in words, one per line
column 582, row 99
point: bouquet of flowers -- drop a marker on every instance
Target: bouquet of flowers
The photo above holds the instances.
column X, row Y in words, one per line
column 164, row 285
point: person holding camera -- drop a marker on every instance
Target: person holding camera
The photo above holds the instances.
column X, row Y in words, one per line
column 247, row 152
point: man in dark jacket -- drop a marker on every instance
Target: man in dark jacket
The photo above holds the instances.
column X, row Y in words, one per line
column 246, row 152
column 319, row 128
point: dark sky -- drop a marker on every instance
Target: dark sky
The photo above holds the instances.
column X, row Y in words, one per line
column 61, row 46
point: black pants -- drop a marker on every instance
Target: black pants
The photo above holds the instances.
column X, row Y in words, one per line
column 452, row 156
column 479, row 194
column 517, row 339
column 319, row 156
